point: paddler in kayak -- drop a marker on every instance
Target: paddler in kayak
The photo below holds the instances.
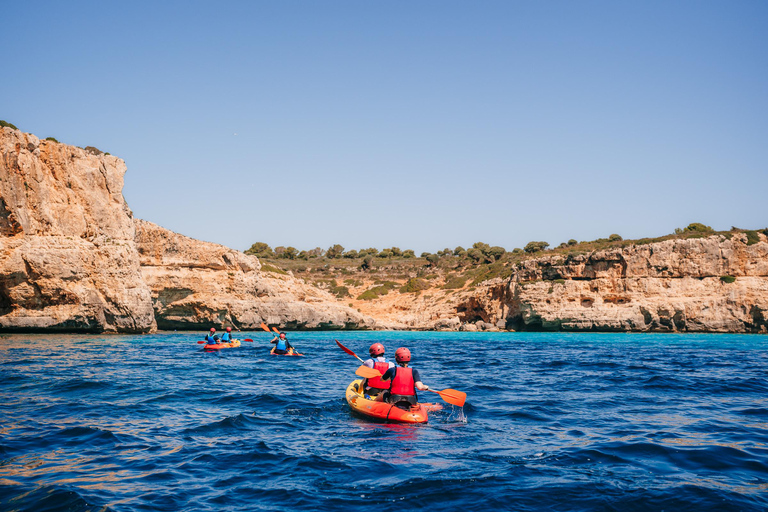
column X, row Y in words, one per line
column 404, row 381
column 281, row 344
column 227, row 336
column 374, row 386
column 211, row 337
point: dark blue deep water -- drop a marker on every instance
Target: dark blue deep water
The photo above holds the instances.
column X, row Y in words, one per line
column 591, row 422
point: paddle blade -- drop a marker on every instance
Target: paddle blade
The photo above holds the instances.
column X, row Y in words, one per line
column 275, row 329
column 264, row 326
column 201, row 341
column 452, row 396
column 367, row 373
column 248, row 339
column 345, row 349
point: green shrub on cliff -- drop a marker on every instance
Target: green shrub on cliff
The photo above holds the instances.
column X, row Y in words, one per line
column 52, row 139
column 615, row 238
column 698, row 227
column 727, row 279
column 752, row 237
column 377, row 291
column 455, row 283
column 6, row 124
column 414, row 285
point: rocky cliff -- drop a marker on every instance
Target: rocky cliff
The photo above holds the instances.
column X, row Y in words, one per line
column 68, row 260
column 198, row 284
column 73, row 258
column 713, row 284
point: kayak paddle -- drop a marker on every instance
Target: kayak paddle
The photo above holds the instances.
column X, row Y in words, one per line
column 367, row 373
column 345, row 349
column 264, row 326
column 452, row 396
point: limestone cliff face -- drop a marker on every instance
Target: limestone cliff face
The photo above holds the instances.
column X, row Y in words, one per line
column 674, row 285
column 199, row 284
column 68, row 260
column 72, row 257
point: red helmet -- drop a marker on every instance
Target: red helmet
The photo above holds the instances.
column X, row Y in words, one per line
column 213, row 330
column 376, row 349
column 402, row 355
column 229, row 329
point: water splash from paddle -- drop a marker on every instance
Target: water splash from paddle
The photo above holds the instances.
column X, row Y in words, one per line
column 457, row 414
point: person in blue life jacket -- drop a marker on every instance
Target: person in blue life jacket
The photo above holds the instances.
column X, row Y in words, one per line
column 227, row 336
column 404, row 381
column 281, row 344
column 374, row 386
column 212, row 338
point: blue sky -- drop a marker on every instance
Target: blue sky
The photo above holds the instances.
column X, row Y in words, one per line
column 422, row 125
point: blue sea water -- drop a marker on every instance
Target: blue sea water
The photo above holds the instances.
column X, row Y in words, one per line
column 593, row 422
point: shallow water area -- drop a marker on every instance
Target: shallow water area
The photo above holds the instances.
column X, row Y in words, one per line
column 553, row 421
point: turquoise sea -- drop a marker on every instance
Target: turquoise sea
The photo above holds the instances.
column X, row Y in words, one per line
column 553, row 421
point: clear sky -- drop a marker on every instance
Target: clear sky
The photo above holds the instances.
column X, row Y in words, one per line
column 418, row 124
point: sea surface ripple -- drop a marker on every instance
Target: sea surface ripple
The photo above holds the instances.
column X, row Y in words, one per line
column 553, row 421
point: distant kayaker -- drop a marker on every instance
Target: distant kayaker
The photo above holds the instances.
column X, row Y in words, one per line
column 227, row 336
column 404, row 381
column 375, row 385
column 212, row 338
column 281, row 344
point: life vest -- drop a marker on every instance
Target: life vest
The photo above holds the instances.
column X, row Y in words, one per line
column 226, row 337
column 403, row 383
column 210, row 339
column 376, row 382
column 281, row 344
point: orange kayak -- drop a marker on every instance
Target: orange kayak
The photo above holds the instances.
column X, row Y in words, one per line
column 383, row 411
column 219, row 346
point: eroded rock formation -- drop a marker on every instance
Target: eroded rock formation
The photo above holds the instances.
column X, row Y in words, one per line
column 68, row 260
column 73, row 258
column 198, row 284
column 675, row 285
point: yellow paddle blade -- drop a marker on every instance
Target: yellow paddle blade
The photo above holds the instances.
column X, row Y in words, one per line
column 367, row 373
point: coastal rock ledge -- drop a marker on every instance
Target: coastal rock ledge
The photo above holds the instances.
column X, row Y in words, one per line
column 74, row 259
column 713, row 284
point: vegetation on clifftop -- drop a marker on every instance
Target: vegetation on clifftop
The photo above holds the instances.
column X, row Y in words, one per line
column 369, row 274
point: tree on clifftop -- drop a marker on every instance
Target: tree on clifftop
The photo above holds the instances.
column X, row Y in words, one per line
column 532, row 247
column 334, row 251
column 260, row 250
column 698, row 227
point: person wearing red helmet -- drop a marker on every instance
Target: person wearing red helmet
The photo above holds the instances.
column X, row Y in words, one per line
column 282, row 346
column 404, row 381
column 227, row 336
column 374, row 386
column 212, row 338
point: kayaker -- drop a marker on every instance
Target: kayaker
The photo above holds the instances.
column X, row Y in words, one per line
column 281, row 344
column 211, row 337
column 404, row 381
column 227, row 336
column 374, row 386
